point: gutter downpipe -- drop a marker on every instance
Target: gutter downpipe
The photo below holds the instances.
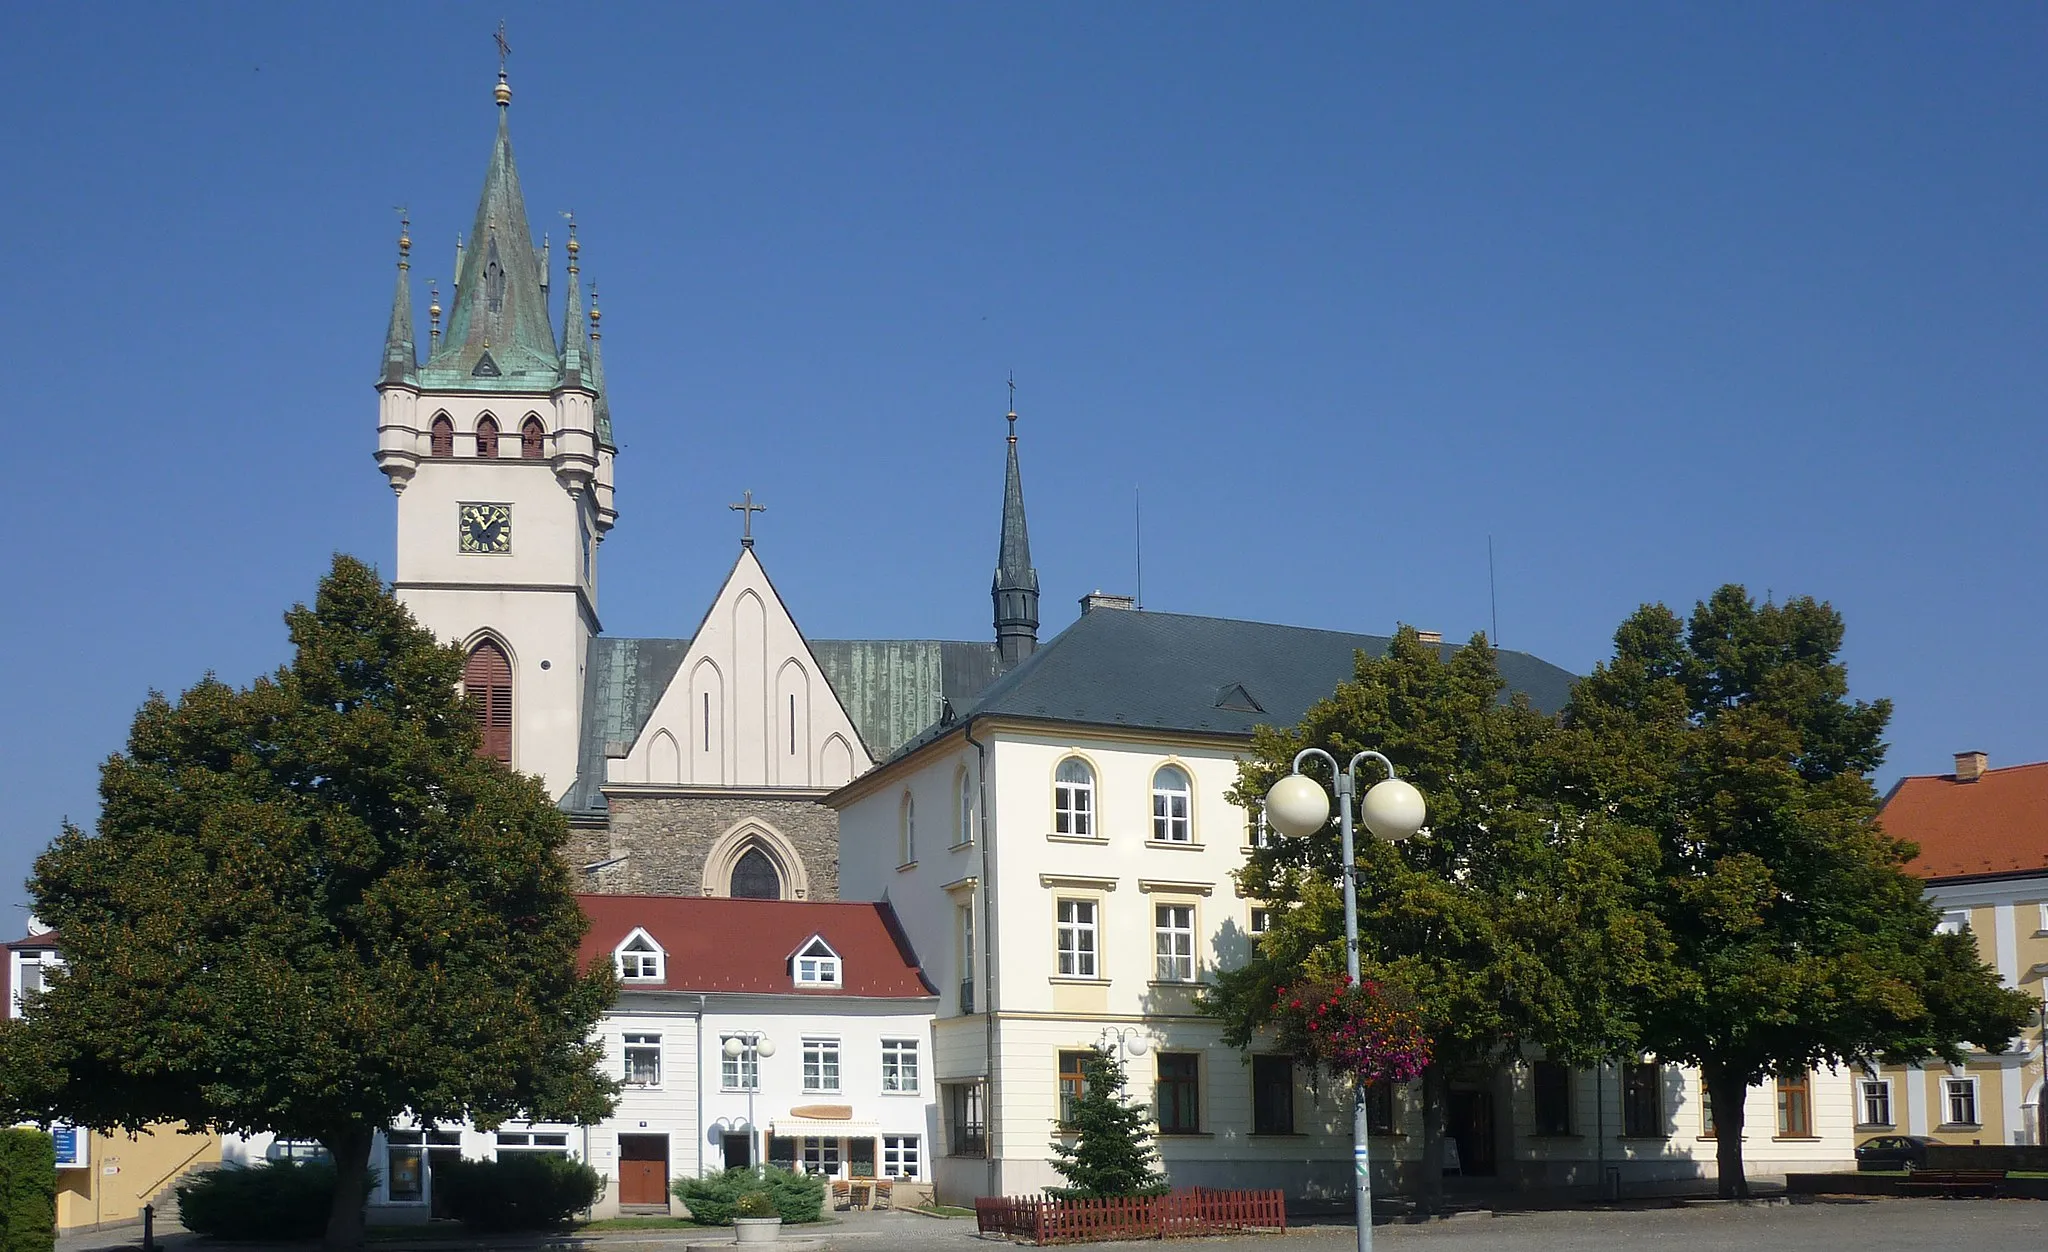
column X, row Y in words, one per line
column 703, row 1003
column 988, row 962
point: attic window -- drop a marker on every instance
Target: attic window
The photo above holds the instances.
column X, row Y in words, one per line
column 817, row 965
column 1236, row 697
column 641, row 959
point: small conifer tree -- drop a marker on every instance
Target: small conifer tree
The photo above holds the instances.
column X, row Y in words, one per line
column 1111, row 1153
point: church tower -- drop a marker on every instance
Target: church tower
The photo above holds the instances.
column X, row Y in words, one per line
column 500, row 451
column 1015, row 589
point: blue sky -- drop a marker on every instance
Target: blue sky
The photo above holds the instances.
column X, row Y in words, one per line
column 1656, row 296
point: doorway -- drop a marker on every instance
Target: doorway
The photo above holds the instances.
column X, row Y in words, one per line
column 1470, row 1125
column 643, row 1171
column 739, row 1151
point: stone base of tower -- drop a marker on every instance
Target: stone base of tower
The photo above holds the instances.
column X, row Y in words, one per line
column 676, row 842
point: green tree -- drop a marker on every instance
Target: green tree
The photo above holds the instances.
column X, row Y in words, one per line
column 1112, row 1151
column 1798, row 939
column 310, row 908
column 1511, row 920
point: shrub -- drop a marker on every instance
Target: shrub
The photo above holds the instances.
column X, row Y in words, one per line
column 28, row 1191
column 518, row 1191
column 714, row 1198
column 275, row 1200
column 755, row 1204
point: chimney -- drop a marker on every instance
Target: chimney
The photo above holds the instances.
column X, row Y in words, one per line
column 1430, row 636
column 1099, row 599
column 1970, row 766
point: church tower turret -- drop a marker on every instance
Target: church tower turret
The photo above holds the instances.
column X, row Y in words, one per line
column 1016, row 582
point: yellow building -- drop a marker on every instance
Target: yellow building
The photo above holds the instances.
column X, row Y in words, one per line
column 1983, row 836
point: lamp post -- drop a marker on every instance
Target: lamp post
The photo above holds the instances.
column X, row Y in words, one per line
column 1123, row 1038
column 736, row 1046
column 1393, row 810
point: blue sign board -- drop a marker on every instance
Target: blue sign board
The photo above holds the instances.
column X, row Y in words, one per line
column 70, row 1147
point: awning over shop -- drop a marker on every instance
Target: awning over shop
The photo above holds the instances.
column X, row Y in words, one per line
column 820, row 1128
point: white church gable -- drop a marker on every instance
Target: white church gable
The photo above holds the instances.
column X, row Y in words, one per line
column 749, row 706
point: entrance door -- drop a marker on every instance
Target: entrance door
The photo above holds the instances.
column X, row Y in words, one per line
column 1471, row 1124
column 643, row 1169
column 440, row 1153
column 739, row 1151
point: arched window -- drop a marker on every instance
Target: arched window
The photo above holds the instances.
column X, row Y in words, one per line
column 1171, row 798
column 1073, row 799
column 486, row 436
column 441, row 437
column 754, row 878
column 963, row 804
column 530, row 439
column 487, row 683
column 906, row 831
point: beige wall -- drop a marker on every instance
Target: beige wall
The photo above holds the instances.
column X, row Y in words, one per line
column 124, row 1172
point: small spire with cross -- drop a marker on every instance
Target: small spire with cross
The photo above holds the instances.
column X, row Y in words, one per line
column 503, row 92
column 746, row 509
column 1013, row 406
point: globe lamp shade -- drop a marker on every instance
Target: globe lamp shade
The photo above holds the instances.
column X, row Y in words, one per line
column 767, row 1046
column 734, row 1047
column 1137, row 1045
column 1297, row 807
column 1393, row 810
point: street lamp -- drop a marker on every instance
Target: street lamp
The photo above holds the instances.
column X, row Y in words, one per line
column 1298, row 807
column 1125, row 1038
column 736, row 1046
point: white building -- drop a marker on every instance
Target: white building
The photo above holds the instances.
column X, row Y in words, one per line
column 1079, row 879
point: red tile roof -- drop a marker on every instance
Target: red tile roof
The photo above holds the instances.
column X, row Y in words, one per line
column 1995, row 825
column 721, row 944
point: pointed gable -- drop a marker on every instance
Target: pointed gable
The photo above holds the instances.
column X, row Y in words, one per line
column 749, row 706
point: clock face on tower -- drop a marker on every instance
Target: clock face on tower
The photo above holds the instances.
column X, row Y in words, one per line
column 486, row 528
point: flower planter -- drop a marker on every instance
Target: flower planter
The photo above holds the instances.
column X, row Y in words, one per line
column 756, row 1229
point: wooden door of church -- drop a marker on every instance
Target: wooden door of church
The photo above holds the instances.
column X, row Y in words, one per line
column 643, row 1169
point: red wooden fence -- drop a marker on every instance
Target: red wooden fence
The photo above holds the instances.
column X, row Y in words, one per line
column 1199, row 1211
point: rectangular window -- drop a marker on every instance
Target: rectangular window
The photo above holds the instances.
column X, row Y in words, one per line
column 1960, row 1097
column 1706, row 1111
column 1073, row 1081
column 742, row 1072
column 899, row 1065
column 30, row 974
column 1073, row 800
column 966, row 1132
column 899, row 1156
column 556, row 1143
column 817, row 966
column 1795, row 1108
column 643, row 1060
column 1642, row 1100
column 1179, row 1106
column 403, row 1156
column 1272, row 1095
column 1379, row 1109
column 1877, row 1101
column 782, row 1152
column 821, row 1065
column 1170, row 816
column 966, row 912
column 1174, row 936
column 1261, row 836
column 1262, row 921
column 1953, row 922
column 1077, row 938
column 821, row 1157
column 297, row 1150
column 1553, row 1088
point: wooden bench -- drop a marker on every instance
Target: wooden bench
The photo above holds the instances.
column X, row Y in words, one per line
column 1954, row 1182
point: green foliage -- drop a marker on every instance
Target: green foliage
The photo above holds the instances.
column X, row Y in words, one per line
column 311, row 907
column 714, row 1199
column 28, row 1191
column 1798, row 939
column 756, row 1204
column 275, row 1200
column 518, row 1191
column 1111, row 1154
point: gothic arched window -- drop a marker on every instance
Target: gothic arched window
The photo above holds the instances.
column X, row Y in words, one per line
column 754, row 878
column 486, row 436
column 530, row 437
column 487, row 684
column 441, row 437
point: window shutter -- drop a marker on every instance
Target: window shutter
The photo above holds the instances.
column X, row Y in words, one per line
column 530, row 439
column 443, row 437
column 486, row 437
column 487, row 681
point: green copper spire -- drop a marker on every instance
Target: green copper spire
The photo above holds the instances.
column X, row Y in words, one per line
column 574, row 370
column 401, row 358
column 603, row 407
column 498, row 335
column 1015, row 589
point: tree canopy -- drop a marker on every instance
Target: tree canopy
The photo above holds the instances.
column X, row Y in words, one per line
column 309, row 908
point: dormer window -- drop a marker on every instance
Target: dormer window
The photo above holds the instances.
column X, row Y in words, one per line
column 641, row 959
column 817, row 965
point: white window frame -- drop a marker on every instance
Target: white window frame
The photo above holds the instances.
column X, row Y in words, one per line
column 821, row 1156
column 821, row 1065
column 1173, row 942
column 963, row 803
column 1169, row 825
column 906, row 830
column 41, row 960
column 640, row 964
column 555, row 1142
column 1965, row 1086
column 742, row 1072
column 2043, row 928
column 1079, row 941
column 1259, row 922
column 902, row 1157
column 816, row 964
column 899, row 1067
column 1874, row 1095
column 641, row 1043
column 1953, row 922
column 1261, row 834
column 1073, row 800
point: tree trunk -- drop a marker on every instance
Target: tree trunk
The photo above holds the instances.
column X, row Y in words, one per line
column 351, row 1152
column 1729, row 1092
column 1429, row 1195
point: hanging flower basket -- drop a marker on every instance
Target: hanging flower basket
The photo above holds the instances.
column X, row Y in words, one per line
column 1367, row 1031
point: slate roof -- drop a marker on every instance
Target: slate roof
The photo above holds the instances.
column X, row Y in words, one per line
column 719, row 944
column 1210, row 675
column 1995, row 825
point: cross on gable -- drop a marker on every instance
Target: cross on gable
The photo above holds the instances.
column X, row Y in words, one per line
column 746, row 509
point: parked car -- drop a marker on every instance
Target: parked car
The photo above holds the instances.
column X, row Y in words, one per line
column 1907, row 1152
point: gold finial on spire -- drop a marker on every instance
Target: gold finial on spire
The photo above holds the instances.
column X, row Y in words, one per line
column 572, row 246
column 404, row 237
column 434, row 308
column 504, row 89
column 1013, row 406
column 596, row 315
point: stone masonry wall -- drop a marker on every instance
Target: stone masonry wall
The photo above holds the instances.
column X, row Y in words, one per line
column 666, row 840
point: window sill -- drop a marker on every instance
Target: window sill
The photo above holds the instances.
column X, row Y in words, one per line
column 1556, row 1134
column 1189, row 984
column 1877, row 1126
column 961, row 846
column 902, row 1093
column 907, row 865
column 1088, row 839
column 1795, row 1138
column 1278, row 1134
column 1176, row 846
column 1186, row 1134
column 1960, row 1126
column 1077, row 980
column 1643, row 1138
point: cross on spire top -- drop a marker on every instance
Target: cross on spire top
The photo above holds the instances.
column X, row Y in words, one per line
column 746, row 509
column 1013, row 406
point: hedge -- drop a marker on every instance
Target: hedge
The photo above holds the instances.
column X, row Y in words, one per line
column 274, row 1200
column 518, row 1191
column 28, row 1191
column 712, row 1198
